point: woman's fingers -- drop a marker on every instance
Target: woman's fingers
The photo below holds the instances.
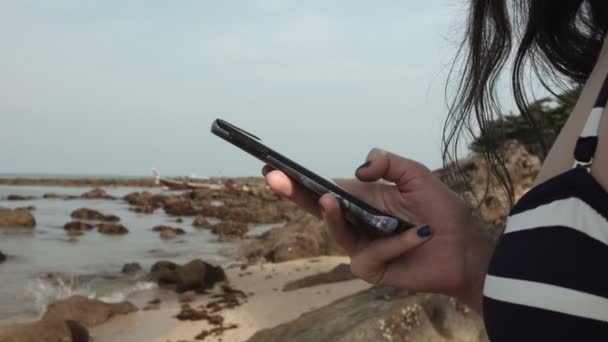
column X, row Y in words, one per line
column 279, row 182
column 338, row 227
column 385, row 165
column 369, row 260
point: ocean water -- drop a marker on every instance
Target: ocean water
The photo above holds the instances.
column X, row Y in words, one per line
column 92, row 265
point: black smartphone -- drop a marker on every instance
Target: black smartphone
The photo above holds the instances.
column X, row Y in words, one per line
column 377, row 222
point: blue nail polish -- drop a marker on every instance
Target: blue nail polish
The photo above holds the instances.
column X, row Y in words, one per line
column 424, row 231
column 364, row 165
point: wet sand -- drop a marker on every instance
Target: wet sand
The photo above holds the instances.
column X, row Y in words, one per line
column 266, row 306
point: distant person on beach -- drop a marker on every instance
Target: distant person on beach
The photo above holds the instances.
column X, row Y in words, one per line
column 546, row 278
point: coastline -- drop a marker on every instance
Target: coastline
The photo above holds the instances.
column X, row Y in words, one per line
column 85, row 181
column 266, row 305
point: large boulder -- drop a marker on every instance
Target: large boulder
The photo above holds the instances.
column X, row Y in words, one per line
column 86, row 311
column 471, row 178
column 112, row 229
column 90, row 214
column 304, row 237
column 2, row 257
column 196, row 275
column 54, row 330
column 66, row 320
column 16, row 218
column 382, row 314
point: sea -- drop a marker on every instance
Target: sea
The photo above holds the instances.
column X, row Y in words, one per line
column 43, row 265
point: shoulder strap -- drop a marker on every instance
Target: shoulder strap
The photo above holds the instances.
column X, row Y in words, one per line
column 587, row 141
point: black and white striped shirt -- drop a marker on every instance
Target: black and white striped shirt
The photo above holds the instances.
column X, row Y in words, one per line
column 548, row 278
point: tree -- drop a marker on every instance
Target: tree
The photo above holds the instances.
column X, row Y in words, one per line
column 549, row 116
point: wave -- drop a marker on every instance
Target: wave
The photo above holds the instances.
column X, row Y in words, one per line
column 45, row 291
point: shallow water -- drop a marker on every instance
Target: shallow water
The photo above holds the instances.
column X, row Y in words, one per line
column 32, row 253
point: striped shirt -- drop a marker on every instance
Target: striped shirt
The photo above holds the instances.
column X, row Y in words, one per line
column 548, row 278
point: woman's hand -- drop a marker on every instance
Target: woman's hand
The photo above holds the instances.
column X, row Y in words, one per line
column 445, row 253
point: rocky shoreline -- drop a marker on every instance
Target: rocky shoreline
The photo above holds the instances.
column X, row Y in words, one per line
column 215, row 298
column 107, row 182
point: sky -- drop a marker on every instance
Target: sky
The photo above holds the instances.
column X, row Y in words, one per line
column 118, row 87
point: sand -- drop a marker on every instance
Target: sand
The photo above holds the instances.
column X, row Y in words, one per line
column 268, row 306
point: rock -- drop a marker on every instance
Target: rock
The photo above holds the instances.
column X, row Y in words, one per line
column 155, row 301
column 168, row 234
column 180, row 207
column 230, row 229
column 90, row 214
column 28, row 208
column 112, row 229
column 66, row 320
column 217, row 331
column 339, row 273
column 49, row 195
column 96, row 193
column 187, row 297
column 88, row 312
column 144, row 202
column 305, row 237
column 145, row 199
column 179, row 220
column 47, row 330
column 2, row 257
column 230, row 298
column 16, row 218
column 143, row 209
column 483, row 192
column 200, row 221
column 196, row 275
column 190, row 314
column 161, row 228
column 13, row 197
column 163, row 265
column 77, row 226
column 381, row 314
column 131, row 268
column 75, row 233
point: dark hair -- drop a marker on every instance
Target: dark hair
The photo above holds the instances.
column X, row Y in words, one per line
column 555, row 41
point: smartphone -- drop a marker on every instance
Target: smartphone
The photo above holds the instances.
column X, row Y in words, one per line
column 376, row 222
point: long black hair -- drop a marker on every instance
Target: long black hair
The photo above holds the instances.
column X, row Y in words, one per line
column 557, row 42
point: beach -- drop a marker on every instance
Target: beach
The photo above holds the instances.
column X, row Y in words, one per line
column 230, row 261
column 267, row 305
column 60, row 256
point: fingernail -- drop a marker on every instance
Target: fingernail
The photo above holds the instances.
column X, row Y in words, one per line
column 424, row 231
column 364, row 165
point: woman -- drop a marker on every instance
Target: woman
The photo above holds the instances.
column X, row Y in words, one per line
column 546, row 279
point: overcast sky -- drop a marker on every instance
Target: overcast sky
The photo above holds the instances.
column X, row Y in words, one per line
column 118, row 87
